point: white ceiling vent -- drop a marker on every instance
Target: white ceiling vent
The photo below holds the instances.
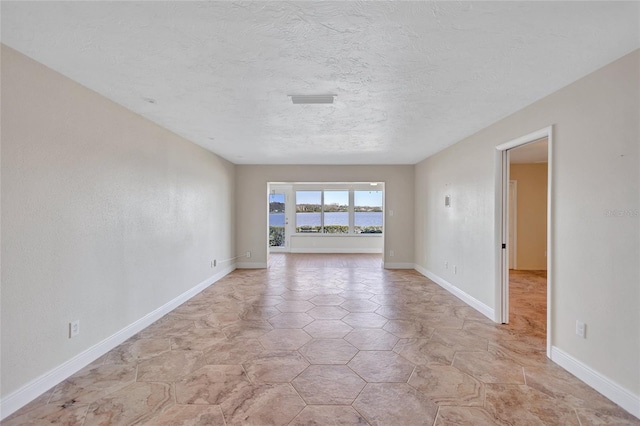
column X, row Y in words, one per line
column 312, row 99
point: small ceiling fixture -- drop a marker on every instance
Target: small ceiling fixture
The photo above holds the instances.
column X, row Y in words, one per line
column 312, row 99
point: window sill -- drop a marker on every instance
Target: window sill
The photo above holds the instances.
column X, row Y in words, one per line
column 319, row 234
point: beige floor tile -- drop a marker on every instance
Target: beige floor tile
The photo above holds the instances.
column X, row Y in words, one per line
column 260, row 405
column 191, row 415
column 170, row 366
column 217, row 320
column 247, row 329
column 395, row 404
column 198, row 339
column 210, row 384
column 408, row 329
column 138, row 402
column 424, row 351
column 334, row 415
column 64, row 415
column 365, row 320
column 327, row 300
column 284, row 339
column 381, row 366
column 446, row 385
column 90, row 384
column 328, row 329
column 328, row 351
column 489, row 368
column 137, row 350
column 464, row 416
column 236, row 351
column 328, row 312
column 275, row 367
column 232, row 354
column 371, row 339
column 620, row 417
column 356, row 294
column 258, row 313
column 328, row 384
column 295, row 306
column 520, row 404
column 290, row 320
column 360, row 305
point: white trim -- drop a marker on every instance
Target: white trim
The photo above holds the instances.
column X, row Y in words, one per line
column 389, row 265
column 468, row 299
column 531, row 137
column 336, row 250
column 251, row 265
column 36, row 387
column 275, row 249
column 501, row 181
column 612, row 390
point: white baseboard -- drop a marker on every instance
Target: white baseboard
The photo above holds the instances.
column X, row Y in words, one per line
column 466, row 298
column 339, row 250
column 251, row 265
column 389, row 265
column 616, row 393
column 36, row 387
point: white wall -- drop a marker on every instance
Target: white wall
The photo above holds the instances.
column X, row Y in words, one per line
column 337, row 243
column 251, row 205
column 595, row 277
column 105, row 218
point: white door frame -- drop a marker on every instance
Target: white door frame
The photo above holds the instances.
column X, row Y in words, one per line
column 502, row 225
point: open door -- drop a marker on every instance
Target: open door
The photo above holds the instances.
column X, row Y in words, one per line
column 504, row 193
column 279, row 221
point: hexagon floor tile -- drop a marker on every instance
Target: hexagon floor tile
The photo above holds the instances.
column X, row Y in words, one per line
column 330, row 339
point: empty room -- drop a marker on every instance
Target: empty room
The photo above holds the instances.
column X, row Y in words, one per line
column 320, row 213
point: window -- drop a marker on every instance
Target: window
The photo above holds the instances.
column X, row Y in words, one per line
column 308, row 211
column 335, row 212
column 367, row 212
column 339, row 211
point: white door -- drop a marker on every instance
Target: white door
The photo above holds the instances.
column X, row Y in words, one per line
column 279, row 211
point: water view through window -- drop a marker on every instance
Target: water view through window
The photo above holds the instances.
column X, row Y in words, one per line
column 332, row 216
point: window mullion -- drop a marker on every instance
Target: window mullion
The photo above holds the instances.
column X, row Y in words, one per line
column 351, row 212
column 322, row 211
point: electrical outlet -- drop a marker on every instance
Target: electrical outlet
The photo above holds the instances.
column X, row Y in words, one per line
column 391, row 253
column 446, row 265
column 455, row 269
column 74, row 328
column 248, row 254
column 581, row 329
column 215, row 263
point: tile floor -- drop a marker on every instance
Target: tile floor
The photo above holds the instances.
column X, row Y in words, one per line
column 330, row 340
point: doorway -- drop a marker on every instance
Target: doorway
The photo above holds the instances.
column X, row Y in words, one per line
column 523, row 230
column 279, row 220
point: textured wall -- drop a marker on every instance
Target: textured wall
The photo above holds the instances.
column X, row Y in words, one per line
column 532, row 215
column 105, row 217
column 251, row 184
column 595, row 226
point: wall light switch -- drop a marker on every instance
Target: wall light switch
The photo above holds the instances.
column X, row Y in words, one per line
column 74, row 328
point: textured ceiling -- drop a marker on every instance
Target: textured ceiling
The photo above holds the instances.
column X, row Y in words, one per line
column 411, row 77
